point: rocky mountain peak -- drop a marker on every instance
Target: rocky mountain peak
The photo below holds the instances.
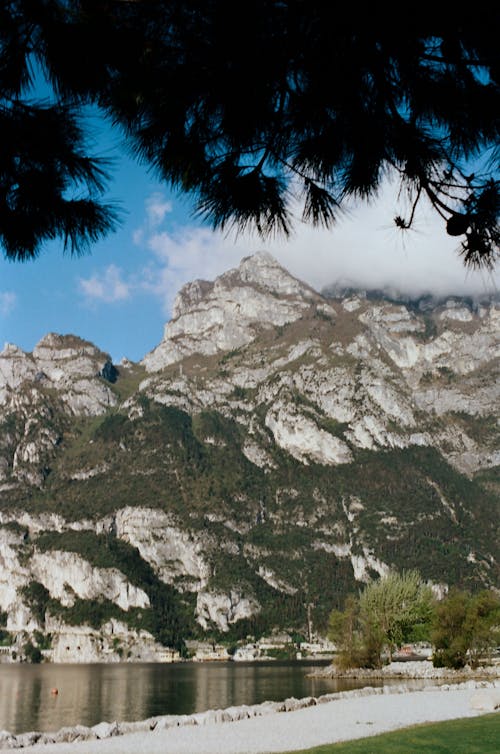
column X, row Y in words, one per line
column 228, row 313
column 64, row 346
column 263, row 271
column 67, row 364
column 64, row 356
column 259, row 271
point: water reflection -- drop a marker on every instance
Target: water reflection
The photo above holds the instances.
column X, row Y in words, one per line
column 89, row 694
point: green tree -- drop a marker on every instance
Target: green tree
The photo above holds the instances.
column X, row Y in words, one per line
column 42, row 641
column 392, row 606
column 483, row 625
column 344, row 631
column 381, row 617
column 465, row 628
column 250, row 113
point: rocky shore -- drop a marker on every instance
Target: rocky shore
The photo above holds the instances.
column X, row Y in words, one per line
column 418, row 669
column 487, row 699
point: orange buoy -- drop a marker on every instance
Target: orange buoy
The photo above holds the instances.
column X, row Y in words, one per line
column 54, row 691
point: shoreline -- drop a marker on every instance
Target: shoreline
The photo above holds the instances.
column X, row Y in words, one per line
column 410, row 670
column 261, row 728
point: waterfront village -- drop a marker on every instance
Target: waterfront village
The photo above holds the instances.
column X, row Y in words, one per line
column 277, row 646
column 282, row 646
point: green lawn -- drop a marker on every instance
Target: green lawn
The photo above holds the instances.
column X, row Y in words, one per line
column 475, row 735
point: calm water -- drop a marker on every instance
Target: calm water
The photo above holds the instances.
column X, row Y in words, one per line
column 89, row 694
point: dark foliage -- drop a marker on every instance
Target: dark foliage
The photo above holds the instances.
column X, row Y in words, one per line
column 41, row 174
column 466, row 628
column 32, row 653
column 37, row 597
column 248, row 109
column 109, row 372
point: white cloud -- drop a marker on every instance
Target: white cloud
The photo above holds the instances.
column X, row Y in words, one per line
column 187, row 254
column 364, row 250
column 108, row 286
column 8, row 301
column 181, row 255
column 157, row 207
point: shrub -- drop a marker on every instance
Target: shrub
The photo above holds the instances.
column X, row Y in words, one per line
column 32, row 653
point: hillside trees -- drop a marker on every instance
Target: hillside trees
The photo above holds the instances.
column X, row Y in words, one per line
column 250, row 114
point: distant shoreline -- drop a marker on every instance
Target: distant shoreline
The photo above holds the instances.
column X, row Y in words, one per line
column 410, row 670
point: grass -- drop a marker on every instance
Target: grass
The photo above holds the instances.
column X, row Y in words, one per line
column 475, row 735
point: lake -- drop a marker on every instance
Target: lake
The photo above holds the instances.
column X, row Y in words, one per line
column 89, row 694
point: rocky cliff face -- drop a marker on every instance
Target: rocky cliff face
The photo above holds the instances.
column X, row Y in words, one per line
column 383, row 369
column 39, row 392
column 276, row 449
column 209, row 318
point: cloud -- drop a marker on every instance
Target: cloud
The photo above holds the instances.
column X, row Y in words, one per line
column 157, row 207
column 180, row 253
column 8, row 301
column 186, row 254
column 363, row 250
column 108, row 286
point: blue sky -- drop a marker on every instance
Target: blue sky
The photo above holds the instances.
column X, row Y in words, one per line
column 120, row 296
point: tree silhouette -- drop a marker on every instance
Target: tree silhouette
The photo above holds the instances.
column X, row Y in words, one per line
column 49, row 186
column 252, row 108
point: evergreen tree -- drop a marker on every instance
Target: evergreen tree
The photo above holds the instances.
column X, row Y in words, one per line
column 251, row 108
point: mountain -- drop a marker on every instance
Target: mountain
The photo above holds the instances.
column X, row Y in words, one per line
column 276, row 450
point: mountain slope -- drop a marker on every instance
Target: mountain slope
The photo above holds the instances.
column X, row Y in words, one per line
column 275, row 450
